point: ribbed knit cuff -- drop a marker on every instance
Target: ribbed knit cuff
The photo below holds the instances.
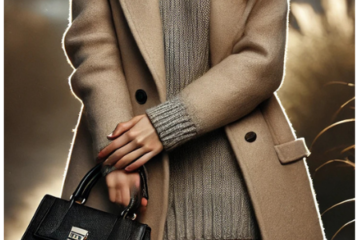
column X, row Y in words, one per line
column 172, row 123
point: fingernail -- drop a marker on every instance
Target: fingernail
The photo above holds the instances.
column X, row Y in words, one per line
column 127, row 168
column 110, row 135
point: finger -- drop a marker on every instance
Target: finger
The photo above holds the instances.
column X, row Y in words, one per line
column 128, row 158
column 137, row 180
column 139, row 162
column 117, row 143
column 138, row 117
column 112, row 194
column 111, row 179
column 120, row 152
column 125, row 196
column 119, row 196
column 123, row 127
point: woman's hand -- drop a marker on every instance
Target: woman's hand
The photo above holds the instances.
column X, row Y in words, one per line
column 134, row 139
column 122, row 185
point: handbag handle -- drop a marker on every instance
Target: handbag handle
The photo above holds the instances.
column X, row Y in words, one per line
column 82, row 191
column 92, row 177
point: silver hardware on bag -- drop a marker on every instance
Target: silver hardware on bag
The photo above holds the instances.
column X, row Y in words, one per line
column 125, row 213
column 78, row 234
column 133, row 217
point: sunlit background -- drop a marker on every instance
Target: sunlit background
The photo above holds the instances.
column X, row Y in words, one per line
column 40, row 112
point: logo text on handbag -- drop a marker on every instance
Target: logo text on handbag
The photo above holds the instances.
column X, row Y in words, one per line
column 78, row 234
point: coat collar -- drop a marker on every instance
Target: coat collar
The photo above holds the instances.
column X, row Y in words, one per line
column 144, row 20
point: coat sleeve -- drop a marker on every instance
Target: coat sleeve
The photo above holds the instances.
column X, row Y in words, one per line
column 91, row 46
column 236, row 85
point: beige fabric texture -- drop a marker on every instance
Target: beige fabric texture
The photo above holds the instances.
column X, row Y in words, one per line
column 207, row 194
column 292, row 151
column 116, row 47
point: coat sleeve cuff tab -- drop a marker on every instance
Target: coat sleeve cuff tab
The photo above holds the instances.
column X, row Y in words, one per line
column 292, row 151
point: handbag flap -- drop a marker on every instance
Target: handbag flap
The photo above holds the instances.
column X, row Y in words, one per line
column 83, row 222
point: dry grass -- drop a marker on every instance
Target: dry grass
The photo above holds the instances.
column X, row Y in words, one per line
column 318, row 94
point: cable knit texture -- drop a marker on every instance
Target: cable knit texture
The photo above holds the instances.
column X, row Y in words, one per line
column 208, row 198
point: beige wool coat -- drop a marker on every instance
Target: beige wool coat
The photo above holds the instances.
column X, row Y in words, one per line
column 116, row 48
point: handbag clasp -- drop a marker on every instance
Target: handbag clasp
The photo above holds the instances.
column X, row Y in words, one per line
column 78, row 234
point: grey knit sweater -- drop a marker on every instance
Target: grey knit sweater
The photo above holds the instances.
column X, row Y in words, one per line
column 208, row 198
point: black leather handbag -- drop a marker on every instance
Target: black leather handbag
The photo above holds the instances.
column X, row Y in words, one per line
column 59, row 219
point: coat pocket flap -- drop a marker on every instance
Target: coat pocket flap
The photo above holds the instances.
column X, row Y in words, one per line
column 292, row 151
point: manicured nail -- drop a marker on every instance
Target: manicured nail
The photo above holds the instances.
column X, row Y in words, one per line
column 110, row 135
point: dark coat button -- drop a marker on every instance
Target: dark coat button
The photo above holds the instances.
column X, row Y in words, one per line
column 141, row 96
column 250, row 136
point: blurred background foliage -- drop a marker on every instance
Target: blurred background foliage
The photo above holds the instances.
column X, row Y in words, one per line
column 40, row 112
column 319, row 97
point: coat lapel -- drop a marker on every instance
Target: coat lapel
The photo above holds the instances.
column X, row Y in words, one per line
column 144, row 20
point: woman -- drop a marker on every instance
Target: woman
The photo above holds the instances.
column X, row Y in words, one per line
column 205, row 181
column 190, row 92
